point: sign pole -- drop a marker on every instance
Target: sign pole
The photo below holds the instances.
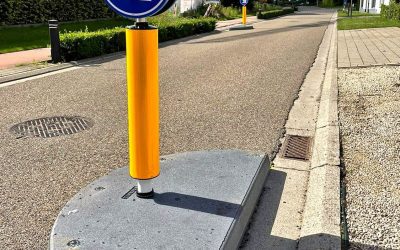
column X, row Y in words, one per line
column 143, row 104
column 244, row 14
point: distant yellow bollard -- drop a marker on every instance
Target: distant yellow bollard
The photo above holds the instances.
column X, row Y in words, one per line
column 244, row 14
column 143, row 104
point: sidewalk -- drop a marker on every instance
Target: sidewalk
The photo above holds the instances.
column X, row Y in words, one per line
column 14, row 59
column 222, row 25
column 368, row 47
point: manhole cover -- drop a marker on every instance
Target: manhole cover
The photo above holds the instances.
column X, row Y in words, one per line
column 51, row 126
column 297, row 147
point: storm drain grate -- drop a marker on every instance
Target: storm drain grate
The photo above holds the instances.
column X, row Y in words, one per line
column 51, row 126
column 297, row 147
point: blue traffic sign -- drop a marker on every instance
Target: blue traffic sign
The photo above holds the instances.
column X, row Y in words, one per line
column 244, row 2
column 137, row 8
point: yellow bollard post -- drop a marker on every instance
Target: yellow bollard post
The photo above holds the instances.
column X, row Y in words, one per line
column 143, row 105
column 244, row 14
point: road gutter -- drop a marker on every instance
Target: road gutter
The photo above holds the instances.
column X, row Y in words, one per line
column 301, row 205
column 321, row 219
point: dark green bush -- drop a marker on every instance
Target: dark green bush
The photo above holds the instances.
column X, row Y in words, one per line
column 236, row 3
column 80, row 45
column 391, row 11
column 40, row 11
column 274, row 13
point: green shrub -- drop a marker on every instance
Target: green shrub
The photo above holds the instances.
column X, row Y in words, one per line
column 198, row 12
column 217, row 11
column 274, row 13
column 229, row 12
column 80, row 45
column 391, row 11
column 265, row 6
column 40, row 11
column 327, row 4
column 236, row 3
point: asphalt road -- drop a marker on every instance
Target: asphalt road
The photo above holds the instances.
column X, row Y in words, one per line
column 222, row 90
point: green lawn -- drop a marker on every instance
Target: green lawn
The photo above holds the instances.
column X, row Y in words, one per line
column 23, row 38
column 342, row 13
column 365, row 23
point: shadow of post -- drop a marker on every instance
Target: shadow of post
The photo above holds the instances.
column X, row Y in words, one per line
column 199, row 204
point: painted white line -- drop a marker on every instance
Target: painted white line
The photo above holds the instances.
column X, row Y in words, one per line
column 39, row 76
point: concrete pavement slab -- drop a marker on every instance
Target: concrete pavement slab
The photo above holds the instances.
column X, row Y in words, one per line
column 203, row 200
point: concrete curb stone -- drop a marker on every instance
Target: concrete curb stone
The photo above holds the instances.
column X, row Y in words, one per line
column 322, row 208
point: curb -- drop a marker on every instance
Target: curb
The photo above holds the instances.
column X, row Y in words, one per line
column 322, row 208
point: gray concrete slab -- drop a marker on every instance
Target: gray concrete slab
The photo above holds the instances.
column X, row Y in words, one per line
column 241, row 27
column 203, row 200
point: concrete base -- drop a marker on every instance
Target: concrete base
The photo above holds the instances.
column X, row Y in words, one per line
column 242, row 27
column 203, row 200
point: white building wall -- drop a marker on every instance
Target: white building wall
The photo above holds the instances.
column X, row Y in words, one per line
column 189, row 4
column 372, row 6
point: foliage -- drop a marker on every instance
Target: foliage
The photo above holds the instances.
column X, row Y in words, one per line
column 79, row 45
column 328, row 4
column 197, row 12
column 366, row 22
column 391, row 11
column 40, row 11
column 4, row 6
column 217, row 11
column 342, row 13
column 265, row 6
column 236, row 3
column 17, row 38
column 229, row 12
column 274, row 13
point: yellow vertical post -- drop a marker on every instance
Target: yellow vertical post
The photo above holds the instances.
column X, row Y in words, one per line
column 143, row 103
column 244, row 14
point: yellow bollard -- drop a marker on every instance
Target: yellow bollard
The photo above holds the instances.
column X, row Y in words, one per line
column 143, row 103
column 244, row 15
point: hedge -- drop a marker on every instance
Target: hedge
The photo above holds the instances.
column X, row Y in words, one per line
column 40, row 11
column 274, row 13
column 391, row 11
column 80, row 45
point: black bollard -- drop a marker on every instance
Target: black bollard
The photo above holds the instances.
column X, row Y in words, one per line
column 54, row 41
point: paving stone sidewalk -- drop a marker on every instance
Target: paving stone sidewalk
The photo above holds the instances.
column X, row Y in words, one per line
column 368, row 47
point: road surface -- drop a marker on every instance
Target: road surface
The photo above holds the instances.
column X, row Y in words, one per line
column 224, row 90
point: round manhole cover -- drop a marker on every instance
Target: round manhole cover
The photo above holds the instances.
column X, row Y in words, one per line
column 51, row 126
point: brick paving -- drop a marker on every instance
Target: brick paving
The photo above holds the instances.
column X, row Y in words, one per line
column 368, row 47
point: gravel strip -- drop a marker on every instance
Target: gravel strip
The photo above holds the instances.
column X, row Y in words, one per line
column 369, row 106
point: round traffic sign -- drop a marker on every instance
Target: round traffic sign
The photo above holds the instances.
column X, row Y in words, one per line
column 137, row 8
column 244, row 2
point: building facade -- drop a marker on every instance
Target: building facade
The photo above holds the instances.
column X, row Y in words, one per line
column 372, row 6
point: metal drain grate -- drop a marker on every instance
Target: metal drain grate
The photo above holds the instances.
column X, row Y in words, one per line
column 297, row 147
column 51, row 126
